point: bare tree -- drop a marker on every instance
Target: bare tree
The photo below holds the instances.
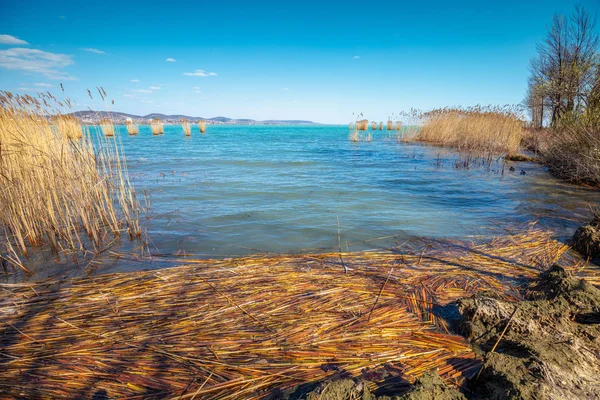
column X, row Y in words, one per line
column 566, row 68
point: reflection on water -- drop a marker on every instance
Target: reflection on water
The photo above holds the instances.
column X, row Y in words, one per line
column 245, row 189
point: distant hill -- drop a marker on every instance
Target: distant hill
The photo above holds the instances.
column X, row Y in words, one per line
column 91, row 116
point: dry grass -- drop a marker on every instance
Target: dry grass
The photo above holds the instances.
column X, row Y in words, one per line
column 381, row 126
column 373, row 125
column 68, row 126
column 486, row 131
column 156, row 126
column 187, row 128
column 572, row 150
column 390, row 125
column 238, row 328
column 398, row 125
column 202, row 126
column 73, row 196
column 132, row 128
column 108, row 129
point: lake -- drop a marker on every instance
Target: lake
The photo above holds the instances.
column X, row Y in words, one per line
column 239, row 190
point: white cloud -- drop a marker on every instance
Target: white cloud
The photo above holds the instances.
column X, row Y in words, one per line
column 196, row 87
column 170, row 59
column 46, row 85
column 154, row 87
column 198, row 91
column 356, row 57
column 142, row 91
column 36, row 61
column 128, row 95
column 200, row 72
column 91, row 50
column 12, row 40
column 135, row 80
column 285, row 88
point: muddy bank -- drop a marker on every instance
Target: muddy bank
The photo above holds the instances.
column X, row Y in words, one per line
column 586, row 239
column 428, row 387
column 546, row 346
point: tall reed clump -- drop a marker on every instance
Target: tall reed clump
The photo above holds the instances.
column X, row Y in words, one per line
column 373, row 126
column 187, row 128
column 108, row 129
column 156, row 126
column 390, row 125
column 68, row 126
column 202, row 126
column 381, row 126
column 132, row 128
column 485, row 131
column 351, row 127
column 73, row 196
column 362, row 125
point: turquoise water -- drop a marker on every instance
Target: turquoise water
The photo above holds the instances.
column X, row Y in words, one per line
column 240, row 190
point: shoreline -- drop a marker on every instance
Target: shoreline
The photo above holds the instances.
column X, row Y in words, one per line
column 262, row 323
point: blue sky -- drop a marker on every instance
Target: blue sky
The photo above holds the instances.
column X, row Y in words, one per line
column 313, row 60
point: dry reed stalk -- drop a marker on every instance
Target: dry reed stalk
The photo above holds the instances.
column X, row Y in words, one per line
column 354, row 136
column 362, row 125
column 200, row 330
column 351, row 127
column 156, row 126
column 373, row 126
column 132, row 128
column 484, row 131
column 390, row 125
column 381, row 126
column 187, row 128
column 398, row 125
column 202, row 126
column 68, row 195
column 108, row 129
column 68, row 126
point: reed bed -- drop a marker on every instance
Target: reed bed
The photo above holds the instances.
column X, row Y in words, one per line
column 202, row 126
column 356, row 136
column 398, row 125
column 487, row 131
column 157, row 127
column 238, row 328
column 132, row 129
column 390, row 125
column 68, row 126
column 362, row 125
column 73, row 196
column 187, row 128
column 107, row 127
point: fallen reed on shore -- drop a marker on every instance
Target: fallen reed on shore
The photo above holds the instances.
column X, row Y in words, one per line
column 239, row 328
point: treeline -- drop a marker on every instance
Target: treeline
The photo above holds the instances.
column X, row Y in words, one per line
column 563, row 95
column 565, row 74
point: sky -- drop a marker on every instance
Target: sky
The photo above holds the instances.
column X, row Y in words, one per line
column 310, row 60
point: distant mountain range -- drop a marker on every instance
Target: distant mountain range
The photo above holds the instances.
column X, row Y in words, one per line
column 92, row 117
